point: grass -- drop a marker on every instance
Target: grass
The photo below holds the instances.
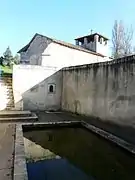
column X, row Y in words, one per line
column 6, row 69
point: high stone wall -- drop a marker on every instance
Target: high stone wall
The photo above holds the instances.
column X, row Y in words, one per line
column 104, row 90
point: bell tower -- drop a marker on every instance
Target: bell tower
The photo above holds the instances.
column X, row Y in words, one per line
column 94, row 42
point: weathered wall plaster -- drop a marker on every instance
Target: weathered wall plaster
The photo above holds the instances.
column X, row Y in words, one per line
column 30, row 86
column 103, row 90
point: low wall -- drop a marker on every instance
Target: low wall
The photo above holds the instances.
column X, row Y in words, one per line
column 103, row 90
column 3, row 94
column 30, row 87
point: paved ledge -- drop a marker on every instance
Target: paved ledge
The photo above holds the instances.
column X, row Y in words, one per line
column 120, row 142
column 15, row 119
column 14, row 113
column 20, row 171
column 7, row 135
column 50, row 124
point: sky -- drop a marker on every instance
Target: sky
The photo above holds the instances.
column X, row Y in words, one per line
column 61, row 19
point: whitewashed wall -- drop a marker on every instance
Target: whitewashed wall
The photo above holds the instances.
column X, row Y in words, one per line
column 3, row 95
column 30, row 87
column 61, row 56
column 103, row 48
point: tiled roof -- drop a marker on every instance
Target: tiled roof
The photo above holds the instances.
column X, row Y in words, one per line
column 63, row 43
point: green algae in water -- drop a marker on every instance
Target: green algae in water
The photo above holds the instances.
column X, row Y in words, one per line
column 85, row 150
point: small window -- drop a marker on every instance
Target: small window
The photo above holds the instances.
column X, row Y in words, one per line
column 101, row 40
column 51, row 88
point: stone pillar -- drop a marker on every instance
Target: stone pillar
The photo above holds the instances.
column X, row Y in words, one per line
column 85, row 41
column 77, row 42
column 95, row 43
column 96, row 38
column 101, row 40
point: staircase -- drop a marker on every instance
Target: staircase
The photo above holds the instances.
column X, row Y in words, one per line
column 7, row 109
column 12, row 116
column 6, row 93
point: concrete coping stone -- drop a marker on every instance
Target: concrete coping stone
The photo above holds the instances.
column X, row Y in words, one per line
column 20, row 170
column 15, row 112
column 120, row 142
column 124, row 59
column 18, row 118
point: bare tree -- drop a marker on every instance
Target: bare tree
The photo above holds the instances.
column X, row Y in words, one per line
column 117, row 36
column 127, row 41
column 121, row 39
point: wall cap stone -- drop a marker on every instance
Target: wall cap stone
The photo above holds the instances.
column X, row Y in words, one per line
column 122, row 60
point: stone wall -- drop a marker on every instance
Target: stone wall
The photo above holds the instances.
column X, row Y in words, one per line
column 33, row 55
column 31, row 87
column 104, row 90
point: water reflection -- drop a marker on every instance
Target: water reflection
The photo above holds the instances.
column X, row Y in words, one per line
column 84, row 150
column 55, row 169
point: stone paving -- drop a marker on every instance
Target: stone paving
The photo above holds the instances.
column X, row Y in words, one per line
column 7, row 132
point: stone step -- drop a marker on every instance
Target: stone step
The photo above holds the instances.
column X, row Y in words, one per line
column 22, row 118
column 9, row 104
column 8, row 95
column 6, row 87
column 6, row 82
column 15, row 113
column 10, row 89
column 7, row 91
column 9, row 107
column 10, row 98
column 10, row 101
column 5, row 79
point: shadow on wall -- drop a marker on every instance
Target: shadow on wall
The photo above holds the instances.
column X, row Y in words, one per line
column 46, row 95
column 103, row 90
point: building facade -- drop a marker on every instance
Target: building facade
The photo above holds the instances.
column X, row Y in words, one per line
column 45, row 51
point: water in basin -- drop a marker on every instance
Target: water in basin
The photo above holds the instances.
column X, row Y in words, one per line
column 75, row 153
